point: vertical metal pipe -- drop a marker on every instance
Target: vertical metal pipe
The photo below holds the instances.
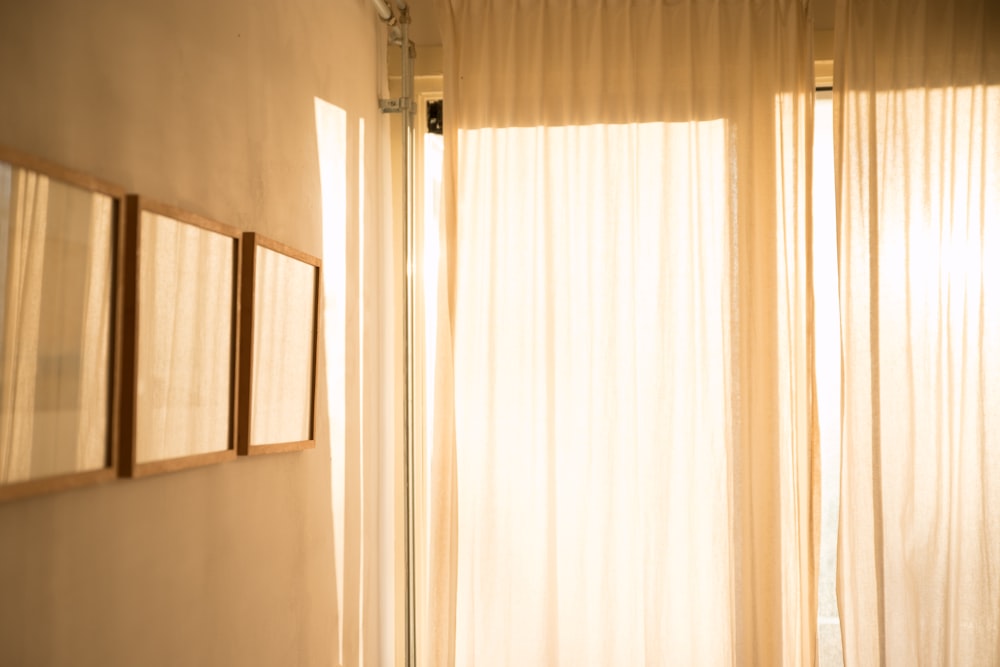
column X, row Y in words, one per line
column 399, row 31
column 409, row 415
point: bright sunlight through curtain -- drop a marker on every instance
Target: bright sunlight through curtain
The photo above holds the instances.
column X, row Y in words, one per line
column 917, row 124
column 628, row 473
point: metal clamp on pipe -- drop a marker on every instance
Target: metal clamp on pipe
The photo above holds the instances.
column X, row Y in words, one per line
column 384, row 12
column 399, row 36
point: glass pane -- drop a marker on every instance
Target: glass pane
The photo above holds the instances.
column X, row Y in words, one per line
column 185, row 339
column 56, row 253
column 284, row 294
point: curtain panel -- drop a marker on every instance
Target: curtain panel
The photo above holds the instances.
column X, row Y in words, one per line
column 917, row 131
column 624, row 465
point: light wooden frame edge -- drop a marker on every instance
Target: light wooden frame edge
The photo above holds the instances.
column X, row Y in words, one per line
column 75, row 480
column 128, row 465
column 251, row 241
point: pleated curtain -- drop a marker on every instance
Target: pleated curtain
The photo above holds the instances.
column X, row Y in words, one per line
column 917, row 132
column 624, row 466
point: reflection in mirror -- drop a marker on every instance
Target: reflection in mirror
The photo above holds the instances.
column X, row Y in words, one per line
column 185, row 352
column 185, row 316
column 56, row 271
column 282, row 351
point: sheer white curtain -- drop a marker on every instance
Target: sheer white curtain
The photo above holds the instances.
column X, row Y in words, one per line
column 627, row 476
column 917, row 99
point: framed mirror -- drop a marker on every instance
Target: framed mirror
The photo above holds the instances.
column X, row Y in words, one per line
column 60, row 245
column 182, row 272
column 278, row 359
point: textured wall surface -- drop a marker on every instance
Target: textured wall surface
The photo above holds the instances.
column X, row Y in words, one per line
column 212, row 107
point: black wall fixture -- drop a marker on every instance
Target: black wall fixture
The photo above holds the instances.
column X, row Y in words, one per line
column 435, row 117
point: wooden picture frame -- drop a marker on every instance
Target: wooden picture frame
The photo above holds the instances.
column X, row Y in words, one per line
column 149, row 224
column 112, row 337
column 283, row 264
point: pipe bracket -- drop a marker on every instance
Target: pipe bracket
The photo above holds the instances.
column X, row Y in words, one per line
column 394, row 105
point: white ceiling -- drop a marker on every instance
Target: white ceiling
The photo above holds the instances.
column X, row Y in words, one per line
column 424, row 30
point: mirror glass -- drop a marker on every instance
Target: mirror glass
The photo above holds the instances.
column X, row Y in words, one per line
column 283, row 349
column 185, row 339
column 56, row 259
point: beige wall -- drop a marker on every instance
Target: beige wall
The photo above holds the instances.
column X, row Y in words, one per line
column 209, row 105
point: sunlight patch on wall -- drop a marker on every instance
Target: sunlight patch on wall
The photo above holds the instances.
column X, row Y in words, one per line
column 331, row 145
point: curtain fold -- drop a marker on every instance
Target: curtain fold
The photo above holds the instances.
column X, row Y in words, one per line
column 624, row 447
column 917, row 130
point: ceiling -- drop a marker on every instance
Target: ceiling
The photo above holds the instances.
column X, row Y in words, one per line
column 424, row 30
column 423, row 26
